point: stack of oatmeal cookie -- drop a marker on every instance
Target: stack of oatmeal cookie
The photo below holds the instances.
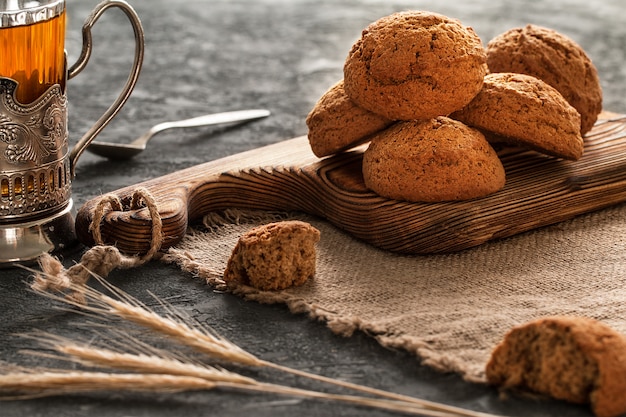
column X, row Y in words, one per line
column 431, row 100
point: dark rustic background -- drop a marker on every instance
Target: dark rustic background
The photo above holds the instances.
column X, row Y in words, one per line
column 215, row 55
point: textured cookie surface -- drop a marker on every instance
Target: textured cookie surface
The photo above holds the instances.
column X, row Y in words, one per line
column 337, row 124
column 415, row 65
column 574, row 359
column 433, row 160
column 555, row 59
column 274, row 256
column 526, row 111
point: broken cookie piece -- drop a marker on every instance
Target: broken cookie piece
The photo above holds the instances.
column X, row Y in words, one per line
column 274, row 256
column 576, row 359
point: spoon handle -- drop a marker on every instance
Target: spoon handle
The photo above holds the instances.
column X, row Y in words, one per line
column 209, row 119
column 114, row 150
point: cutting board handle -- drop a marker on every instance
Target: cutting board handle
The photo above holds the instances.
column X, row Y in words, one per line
column 187, row 195
column 131, row 227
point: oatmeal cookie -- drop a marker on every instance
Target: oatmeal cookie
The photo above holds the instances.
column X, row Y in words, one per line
column 337, row 124
column 430, row 161
column 525, row 111
column 415, row 65
column 555, row 59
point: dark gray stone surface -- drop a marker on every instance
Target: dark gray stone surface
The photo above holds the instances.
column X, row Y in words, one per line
column 209, row 56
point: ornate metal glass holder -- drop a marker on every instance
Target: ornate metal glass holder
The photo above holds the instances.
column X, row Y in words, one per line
column 36, row 163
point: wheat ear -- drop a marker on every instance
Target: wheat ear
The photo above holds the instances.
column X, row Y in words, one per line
column 130, row 309
column 155, row 361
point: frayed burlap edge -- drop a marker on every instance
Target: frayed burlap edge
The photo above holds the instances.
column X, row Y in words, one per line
column 340, row 324
column 511, row 277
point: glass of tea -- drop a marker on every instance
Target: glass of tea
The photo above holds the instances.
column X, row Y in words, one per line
column 36, row 162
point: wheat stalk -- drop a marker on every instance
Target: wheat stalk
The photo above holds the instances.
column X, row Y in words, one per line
column 29, row 384
column 26, row 384
column 130, row 309
column 160, row 362
column 208, row 342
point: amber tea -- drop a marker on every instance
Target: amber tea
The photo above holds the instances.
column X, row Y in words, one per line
column 33, row 52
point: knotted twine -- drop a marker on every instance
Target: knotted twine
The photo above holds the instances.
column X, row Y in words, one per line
column 100, row 259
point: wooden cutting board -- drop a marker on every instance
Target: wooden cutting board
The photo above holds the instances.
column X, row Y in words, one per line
column 287, row 176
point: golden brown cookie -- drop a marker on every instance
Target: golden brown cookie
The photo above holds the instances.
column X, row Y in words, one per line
column 575, row 359
column 337, row 124
column 430, row 161
column 274, row 256
column 415, row 65
column 526, row 111
column 555, row 59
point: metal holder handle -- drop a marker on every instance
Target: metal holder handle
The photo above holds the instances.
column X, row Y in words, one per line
column 81, row 63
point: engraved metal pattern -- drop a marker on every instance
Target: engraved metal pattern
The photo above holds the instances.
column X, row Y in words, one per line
column 27, row 12
column 34, row 154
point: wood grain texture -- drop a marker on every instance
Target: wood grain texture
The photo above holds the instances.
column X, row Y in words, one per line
column 287, row 176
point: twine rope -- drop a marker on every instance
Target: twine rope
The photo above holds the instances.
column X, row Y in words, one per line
column 101, row 259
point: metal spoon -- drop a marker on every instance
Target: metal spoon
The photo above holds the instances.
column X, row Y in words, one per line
column 128, row 150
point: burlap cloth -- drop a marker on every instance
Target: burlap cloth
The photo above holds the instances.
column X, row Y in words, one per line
column 450, row 310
